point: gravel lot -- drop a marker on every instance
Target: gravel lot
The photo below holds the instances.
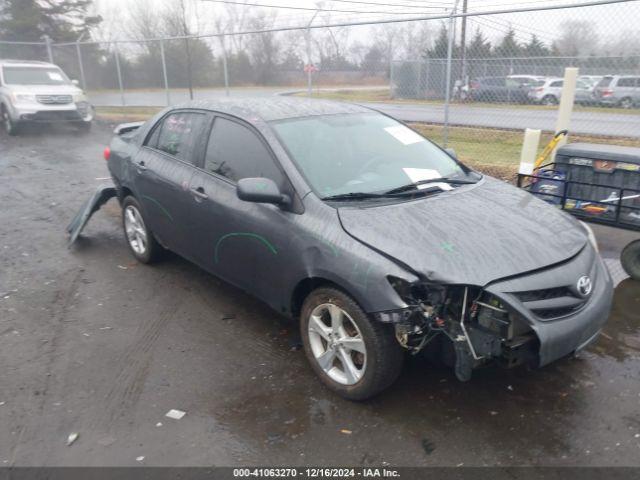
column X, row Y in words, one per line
column 94, row 343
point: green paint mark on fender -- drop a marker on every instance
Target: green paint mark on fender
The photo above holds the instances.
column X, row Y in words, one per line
column 447, row 246
column 260, row 238
column 159, row 205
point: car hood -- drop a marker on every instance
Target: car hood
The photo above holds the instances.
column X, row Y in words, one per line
column 45, row 89
column 471, row 235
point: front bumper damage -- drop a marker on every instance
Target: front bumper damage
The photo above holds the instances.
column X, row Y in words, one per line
column 534, row 318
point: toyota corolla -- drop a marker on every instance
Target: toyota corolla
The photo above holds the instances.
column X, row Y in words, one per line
column 377, row 240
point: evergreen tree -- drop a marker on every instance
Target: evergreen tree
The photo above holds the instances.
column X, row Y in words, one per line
column 535, row 48
column 509, row 46
column 479, row 47
column 441, row 45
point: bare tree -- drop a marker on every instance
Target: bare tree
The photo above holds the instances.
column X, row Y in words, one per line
column 577, row 38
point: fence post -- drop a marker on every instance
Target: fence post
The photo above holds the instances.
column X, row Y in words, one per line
column 566, row 104
column 224, row 66
column 47, row 40
column 164, row 73
column 82, row 78
column 391, row 74
column 447, row 90
column 117, row 54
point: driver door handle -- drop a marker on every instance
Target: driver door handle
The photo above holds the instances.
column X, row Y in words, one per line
column 199, row 192
column 141, row 166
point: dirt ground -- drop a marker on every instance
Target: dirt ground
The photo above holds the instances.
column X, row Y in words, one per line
column 94, row 343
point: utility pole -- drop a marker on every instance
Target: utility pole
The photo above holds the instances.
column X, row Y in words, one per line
column 308, row 41
column 463, row 44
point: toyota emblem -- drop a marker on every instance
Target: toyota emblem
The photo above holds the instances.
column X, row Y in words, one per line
column 584, row 286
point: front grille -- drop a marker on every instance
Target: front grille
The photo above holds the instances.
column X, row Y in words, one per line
column 52, row 116
column 546, row 294
column 54, row 99
column 551, row 303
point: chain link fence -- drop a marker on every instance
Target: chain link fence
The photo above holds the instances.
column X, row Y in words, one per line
column 470, row 81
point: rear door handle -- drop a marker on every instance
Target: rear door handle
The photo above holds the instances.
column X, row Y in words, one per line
column 199, row 192
column 141, row 166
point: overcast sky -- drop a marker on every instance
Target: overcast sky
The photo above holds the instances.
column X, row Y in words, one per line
column 610, row 21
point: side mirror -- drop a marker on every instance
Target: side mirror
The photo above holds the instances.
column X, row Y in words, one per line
column 451, row 152
column 261, row 190
column 75, row 82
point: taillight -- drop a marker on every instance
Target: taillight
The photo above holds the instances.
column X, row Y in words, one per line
column 474, row 85
column 539, row 89
column 107, row 153
column 606, row 93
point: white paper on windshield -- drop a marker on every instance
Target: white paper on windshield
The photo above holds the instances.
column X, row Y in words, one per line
column 404, row 135
column 417, row 174
column 55, row 76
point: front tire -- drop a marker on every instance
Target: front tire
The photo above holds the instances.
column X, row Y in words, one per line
column 140, row 239
column 630, row 259
column 626, row 103
column 549, row 100
column 12, row 128
column 353, row 355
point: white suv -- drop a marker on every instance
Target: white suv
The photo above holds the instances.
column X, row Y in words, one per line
column 40, row 92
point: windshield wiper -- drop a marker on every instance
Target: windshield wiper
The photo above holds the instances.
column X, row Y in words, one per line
column 414, row 185
column 355, row 196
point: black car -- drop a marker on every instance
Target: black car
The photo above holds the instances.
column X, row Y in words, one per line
column 376, row 239
column 498, row 89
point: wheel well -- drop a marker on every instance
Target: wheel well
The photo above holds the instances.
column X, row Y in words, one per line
column 125, row 192
column 305, row 287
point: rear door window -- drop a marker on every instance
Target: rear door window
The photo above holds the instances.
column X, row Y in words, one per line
column 177, row 134
column 235, row 152
column 605, row 82
column 557, row 83
column 626, row 82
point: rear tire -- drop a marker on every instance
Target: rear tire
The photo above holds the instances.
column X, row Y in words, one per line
column 370, row 346
column 549, row 100
column 630, row 259
column 140, row 239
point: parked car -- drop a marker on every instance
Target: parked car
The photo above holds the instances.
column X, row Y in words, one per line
column 619, row 91
column 526, row 80
column 549, row 92
column 375, row 238
column 498, row 89
column 591, row 80
column 40, row 92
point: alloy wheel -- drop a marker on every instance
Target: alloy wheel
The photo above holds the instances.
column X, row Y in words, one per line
column 337, row 344
column 135, row 230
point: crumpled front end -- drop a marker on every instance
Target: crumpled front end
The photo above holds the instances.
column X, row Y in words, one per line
column 533, row 318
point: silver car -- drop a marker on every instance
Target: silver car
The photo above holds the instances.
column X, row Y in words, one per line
column 40, row 92
column 618, row 91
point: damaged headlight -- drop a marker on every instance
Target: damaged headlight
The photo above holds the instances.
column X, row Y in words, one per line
column 591, row 235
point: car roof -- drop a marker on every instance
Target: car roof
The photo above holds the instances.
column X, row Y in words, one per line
column 275, row 107
column 25, row 63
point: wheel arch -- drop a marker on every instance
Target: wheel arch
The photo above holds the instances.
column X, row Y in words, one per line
column 307, row 285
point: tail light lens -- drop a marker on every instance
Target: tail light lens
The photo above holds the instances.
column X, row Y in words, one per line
column 107, row 153
column 606, row 93
column 539, row 89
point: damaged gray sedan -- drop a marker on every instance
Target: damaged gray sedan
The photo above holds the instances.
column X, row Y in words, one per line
column 376, row 239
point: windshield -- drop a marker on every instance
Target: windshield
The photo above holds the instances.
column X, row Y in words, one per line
column 34, row 76
column 362, row 153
